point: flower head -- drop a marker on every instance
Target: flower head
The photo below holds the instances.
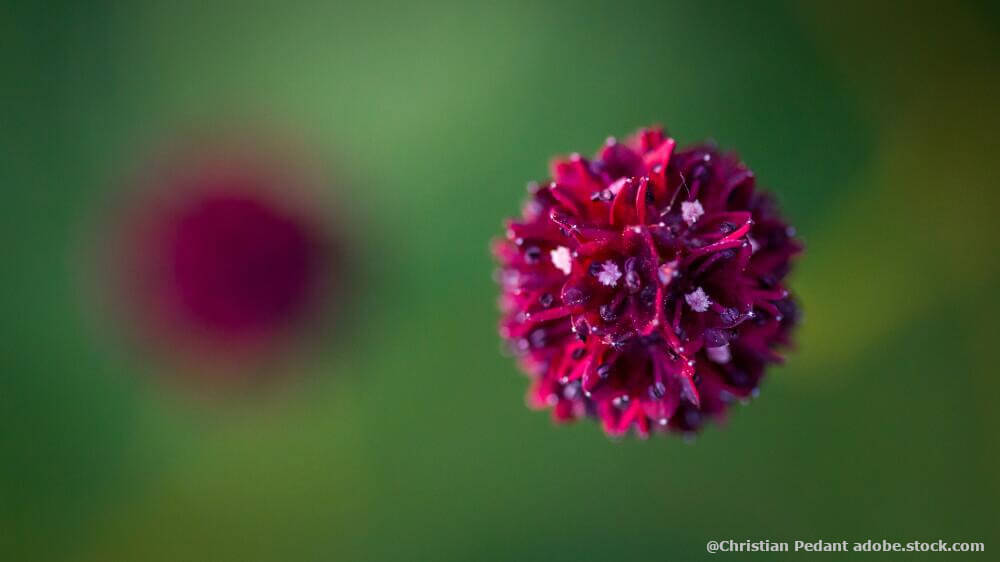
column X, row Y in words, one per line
column 221, row 257
column 663, row 300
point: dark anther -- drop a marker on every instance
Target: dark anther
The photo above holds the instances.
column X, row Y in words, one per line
column 546, row 300
column 657, row 390
column 581, row 328
column 648, row 296
column 579, row 352
column 692, row 418
column 532, row 254
column 788, row 309
column 604, row 371
column 538, row 338
column 701, row 173
column 652, row 339
column 633, row 281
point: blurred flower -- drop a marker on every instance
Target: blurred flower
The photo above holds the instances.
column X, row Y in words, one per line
column 221, row 256
column 644, row 287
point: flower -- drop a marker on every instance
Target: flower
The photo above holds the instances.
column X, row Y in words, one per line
column 663, row 299
column 222, row 257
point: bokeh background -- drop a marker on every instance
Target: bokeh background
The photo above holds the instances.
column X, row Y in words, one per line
column 407, row 437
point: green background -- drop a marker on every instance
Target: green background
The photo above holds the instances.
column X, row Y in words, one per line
column 408, row 439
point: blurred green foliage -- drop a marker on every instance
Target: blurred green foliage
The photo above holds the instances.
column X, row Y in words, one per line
column 874, row 125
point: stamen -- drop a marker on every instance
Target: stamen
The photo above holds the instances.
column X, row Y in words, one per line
column 691, row 211
column 609, row 274
column 698, row 300
column 562, row 259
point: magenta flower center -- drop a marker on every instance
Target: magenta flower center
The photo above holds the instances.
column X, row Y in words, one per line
column 223, row 255
column 239, row 264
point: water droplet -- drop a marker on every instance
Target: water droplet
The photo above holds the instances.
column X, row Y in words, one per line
column 573, row 296
column 608, row 313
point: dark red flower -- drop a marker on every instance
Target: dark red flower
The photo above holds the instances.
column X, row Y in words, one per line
column 223, row 256
column 645, row 287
